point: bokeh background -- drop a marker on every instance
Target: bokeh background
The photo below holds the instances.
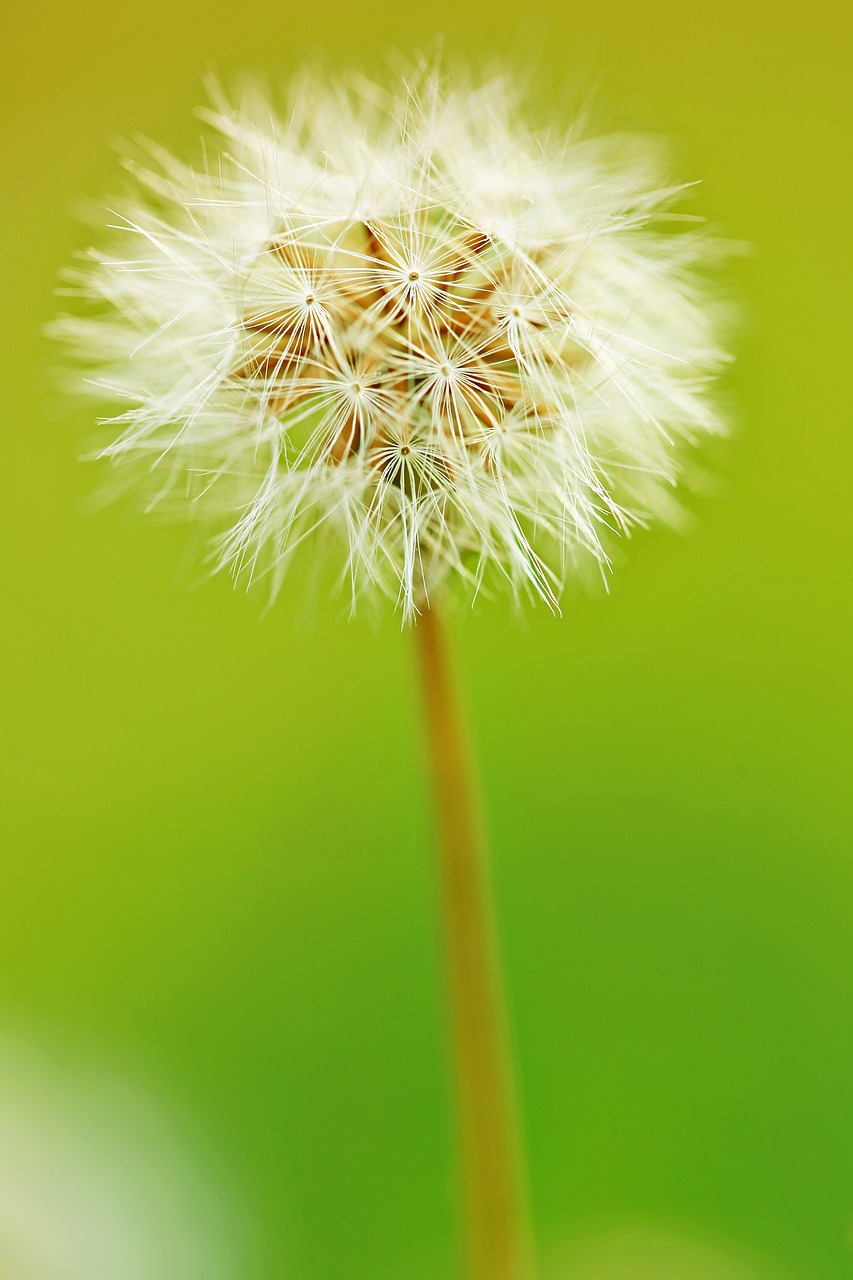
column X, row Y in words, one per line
column 217, row 882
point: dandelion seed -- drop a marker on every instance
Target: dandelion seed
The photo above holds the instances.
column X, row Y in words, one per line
column 408, row 328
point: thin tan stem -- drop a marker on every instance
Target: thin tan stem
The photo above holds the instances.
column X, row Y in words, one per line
column 495, row 1225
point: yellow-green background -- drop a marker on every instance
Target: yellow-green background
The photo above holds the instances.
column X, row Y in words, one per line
column 217, row 859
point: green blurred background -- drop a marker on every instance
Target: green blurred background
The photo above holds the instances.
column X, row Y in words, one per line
column 217, row 864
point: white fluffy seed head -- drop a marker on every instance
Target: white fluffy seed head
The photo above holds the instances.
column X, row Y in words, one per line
column 405, row 327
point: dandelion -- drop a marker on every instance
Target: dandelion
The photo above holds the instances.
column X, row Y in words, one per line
column 449, row 351
column 443, row 349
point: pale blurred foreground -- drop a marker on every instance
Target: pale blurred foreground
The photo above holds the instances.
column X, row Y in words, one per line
column 95, row 1184
column 642, row 1250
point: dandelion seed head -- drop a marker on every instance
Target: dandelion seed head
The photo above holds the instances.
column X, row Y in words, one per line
column 448, row 350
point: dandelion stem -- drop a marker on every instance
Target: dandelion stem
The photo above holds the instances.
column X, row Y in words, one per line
column 493, row 1202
